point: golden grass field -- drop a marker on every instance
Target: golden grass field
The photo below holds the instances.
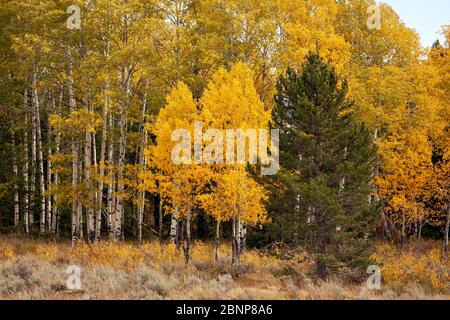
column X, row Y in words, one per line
column 31, row 269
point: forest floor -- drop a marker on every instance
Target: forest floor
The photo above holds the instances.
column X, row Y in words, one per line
column 31, row 269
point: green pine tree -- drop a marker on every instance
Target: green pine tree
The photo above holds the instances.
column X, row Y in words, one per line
column 327, row 159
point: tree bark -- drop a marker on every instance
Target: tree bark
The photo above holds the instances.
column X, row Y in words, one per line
column 235, row 245
column 55, row 211
column 48, row 209
column 16, row 185
column 111, row 184
column 174, row 227
column 40, row 154
column 142, row 164
column 33, row 161
column 102, row 166
column 160, row 220
column 88, row 180
column 121, row 163
column 187, row 238
column 76, row 232
column 26, row 208
column 217, row 241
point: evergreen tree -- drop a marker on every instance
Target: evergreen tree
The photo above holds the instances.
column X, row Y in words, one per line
column 327, row 159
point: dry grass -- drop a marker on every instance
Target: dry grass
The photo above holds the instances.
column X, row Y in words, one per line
column 37, row 270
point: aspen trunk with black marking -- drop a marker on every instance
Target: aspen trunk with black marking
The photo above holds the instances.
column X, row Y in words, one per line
column 26, row 207
column 142, row 164
column 102, row 165
column 76, row 232
column 119, row 214
column 217, row 241
column 33, row 160
column 235, row 245
column 88, row 183
column 95, row 188
column 174, row 227
column 16, row 184
column 55, row 211
column 242, row 237
column 48, row 208
column 111, row 184
column 187, row 237
column 40, row 156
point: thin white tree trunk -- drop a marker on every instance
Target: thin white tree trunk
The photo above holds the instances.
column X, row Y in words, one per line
column 242, row 237
column 49, row 178
column 55, row 211
column 88, row 181
column 235, row 241
column 120, row 179
column 111, row 184
column 102, row 165
column 16, row 186
column 75, row 201
column 217, row 241
column 187, row 238
column 119, row 215
column 174, row 226
column 142, row 164
column 26, row 208
column 41, row 157
column 33, row 162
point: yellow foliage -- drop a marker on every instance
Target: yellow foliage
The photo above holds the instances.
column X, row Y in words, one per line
column 411, row 266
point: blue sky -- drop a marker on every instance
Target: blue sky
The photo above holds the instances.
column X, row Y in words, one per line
column 426, row 16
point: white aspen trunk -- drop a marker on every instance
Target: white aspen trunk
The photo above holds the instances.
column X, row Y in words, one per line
column 75, row 201
column 41, row 158
column 217, row 241
column 142, row 163
column 88, row 180
column 49, row 178
column 97, row 196
column 242, row 237
column 102, row 166
column 187, row 238
column 174, row 227
column 16, row 186
column 101, row 171
column 75, row 218
column 119, row 215
column 120, row 178
column 55, row 211
column 235, row 241
column 80, row 205
column 26, row 211
column 111, row 184
column 33, row 162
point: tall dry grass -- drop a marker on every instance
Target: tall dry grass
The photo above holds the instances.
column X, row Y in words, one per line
column 37, row 270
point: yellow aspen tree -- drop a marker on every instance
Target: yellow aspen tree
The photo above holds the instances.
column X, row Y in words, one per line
column 172, row 172
column 231, row 102
column 238, row 198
